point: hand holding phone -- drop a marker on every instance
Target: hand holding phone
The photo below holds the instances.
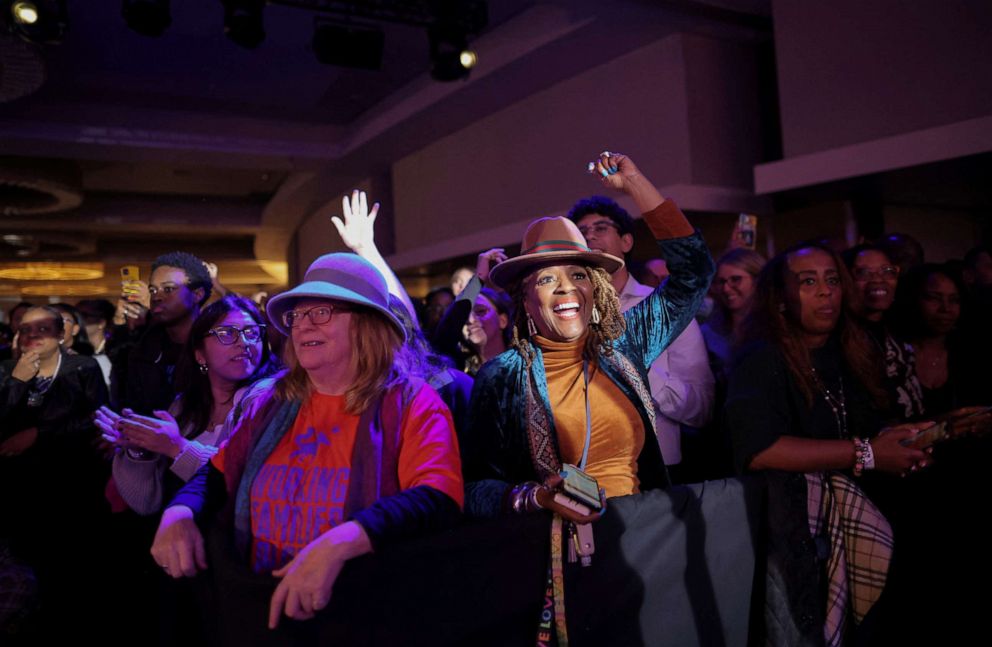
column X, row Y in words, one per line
column 927, row 437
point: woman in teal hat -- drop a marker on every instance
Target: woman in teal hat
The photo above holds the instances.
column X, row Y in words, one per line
column 339, row 456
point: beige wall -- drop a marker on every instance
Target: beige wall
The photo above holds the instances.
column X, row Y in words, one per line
column 529, row 159
column 851, row 71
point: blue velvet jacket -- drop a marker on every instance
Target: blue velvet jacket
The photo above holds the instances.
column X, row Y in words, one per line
column 496, row 450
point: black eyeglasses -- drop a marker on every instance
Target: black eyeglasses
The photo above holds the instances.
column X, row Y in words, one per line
column 228, row 335
column 599, row 228
column 318, row 315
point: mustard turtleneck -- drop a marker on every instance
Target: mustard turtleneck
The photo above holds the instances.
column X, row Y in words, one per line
column 617, row 431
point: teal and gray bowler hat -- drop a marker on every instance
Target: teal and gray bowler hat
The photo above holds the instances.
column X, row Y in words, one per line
column 342, row 277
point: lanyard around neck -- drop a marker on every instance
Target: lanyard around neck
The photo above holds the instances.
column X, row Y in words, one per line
column 585, row 449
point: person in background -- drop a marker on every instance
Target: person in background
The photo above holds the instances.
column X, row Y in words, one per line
column 51, row 475
column 736, row 273
column 226, row 353
column 802, row 407
column 928, row 313
column 6, row 342
column 98, row 316
column 435, row 303
column 343, row 391
column 460, row 278
column 143, row 381
column 76, row 339
column 680, row 379
column 476, row 326
column 977, row 277
column 903, row 250
column 178, row 287
column 15, row 313
column 876, row 278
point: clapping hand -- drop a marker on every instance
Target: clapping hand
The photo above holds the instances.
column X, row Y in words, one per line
column 159, row 434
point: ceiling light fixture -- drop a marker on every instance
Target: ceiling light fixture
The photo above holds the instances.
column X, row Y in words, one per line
column 39, row 21
column 52, row 272
column 147, row 17
column 243, row 22
column 25, row 13
column 452, row 59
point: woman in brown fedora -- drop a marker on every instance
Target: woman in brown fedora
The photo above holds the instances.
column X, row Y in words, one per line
column 572, row 388
column 341, row 455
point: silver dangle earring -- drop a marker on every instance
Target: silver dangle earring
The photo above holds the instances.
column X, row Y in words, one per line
column 203, row 368
column 531, row 328
column 595, row 318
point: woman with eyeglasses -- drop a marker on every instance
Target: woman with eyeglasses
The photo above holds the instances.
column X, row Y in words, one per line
column 51, row 476
column 732, row 288
column 225, row 354
column 876, row 278
column 343, row 454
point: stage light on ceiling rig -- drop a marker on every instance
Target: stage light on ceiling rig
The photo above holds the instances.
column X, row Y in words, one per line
column 24, row 13
column 468, row 59
column 39, row 21
column 243, row 22
column 452, row 59
column 147, row 17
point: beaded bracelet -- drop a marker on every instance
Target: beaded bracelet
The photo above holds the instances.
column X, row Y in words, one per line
column 864, row 457
column 521, row 495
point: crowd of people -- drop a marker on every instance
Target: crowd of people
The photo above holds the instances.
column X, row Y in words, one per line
column 187, row 427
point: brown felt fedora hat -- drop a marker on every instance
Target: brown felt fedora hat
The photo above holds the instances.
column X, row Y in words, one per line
column 550, row 241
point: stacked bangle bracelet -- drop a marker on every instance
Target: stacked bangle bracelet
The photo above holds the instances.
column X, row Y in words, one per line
column 864, row 457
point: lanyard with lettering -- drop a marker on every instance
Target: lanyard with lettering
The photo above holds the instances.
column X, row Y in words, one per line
column 556, row 584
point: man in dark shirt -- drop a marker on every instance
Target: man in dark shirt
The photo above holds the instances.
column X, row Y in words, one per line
column 178, row 287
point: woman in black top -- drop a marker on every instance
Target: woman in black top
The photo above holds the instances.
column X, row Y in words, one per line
column 801, row 406
column 51, row 474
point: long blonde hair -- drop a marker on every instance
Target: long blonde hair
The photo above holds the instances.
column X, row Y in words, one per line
column 374, row 343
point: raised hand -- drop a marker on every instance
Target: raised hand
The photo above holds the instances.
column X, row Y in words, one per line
column 357, row 230
column 616, row 170
column 487, row 261
column 106, row 421
column 136, row 292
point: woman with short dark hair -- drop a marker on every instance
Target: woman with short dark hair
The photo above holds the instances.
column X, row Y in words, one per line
column 51, row 475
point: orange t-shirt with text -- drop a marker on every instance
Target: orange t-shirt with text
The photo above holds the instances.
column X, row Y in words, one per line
column 300, row 491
